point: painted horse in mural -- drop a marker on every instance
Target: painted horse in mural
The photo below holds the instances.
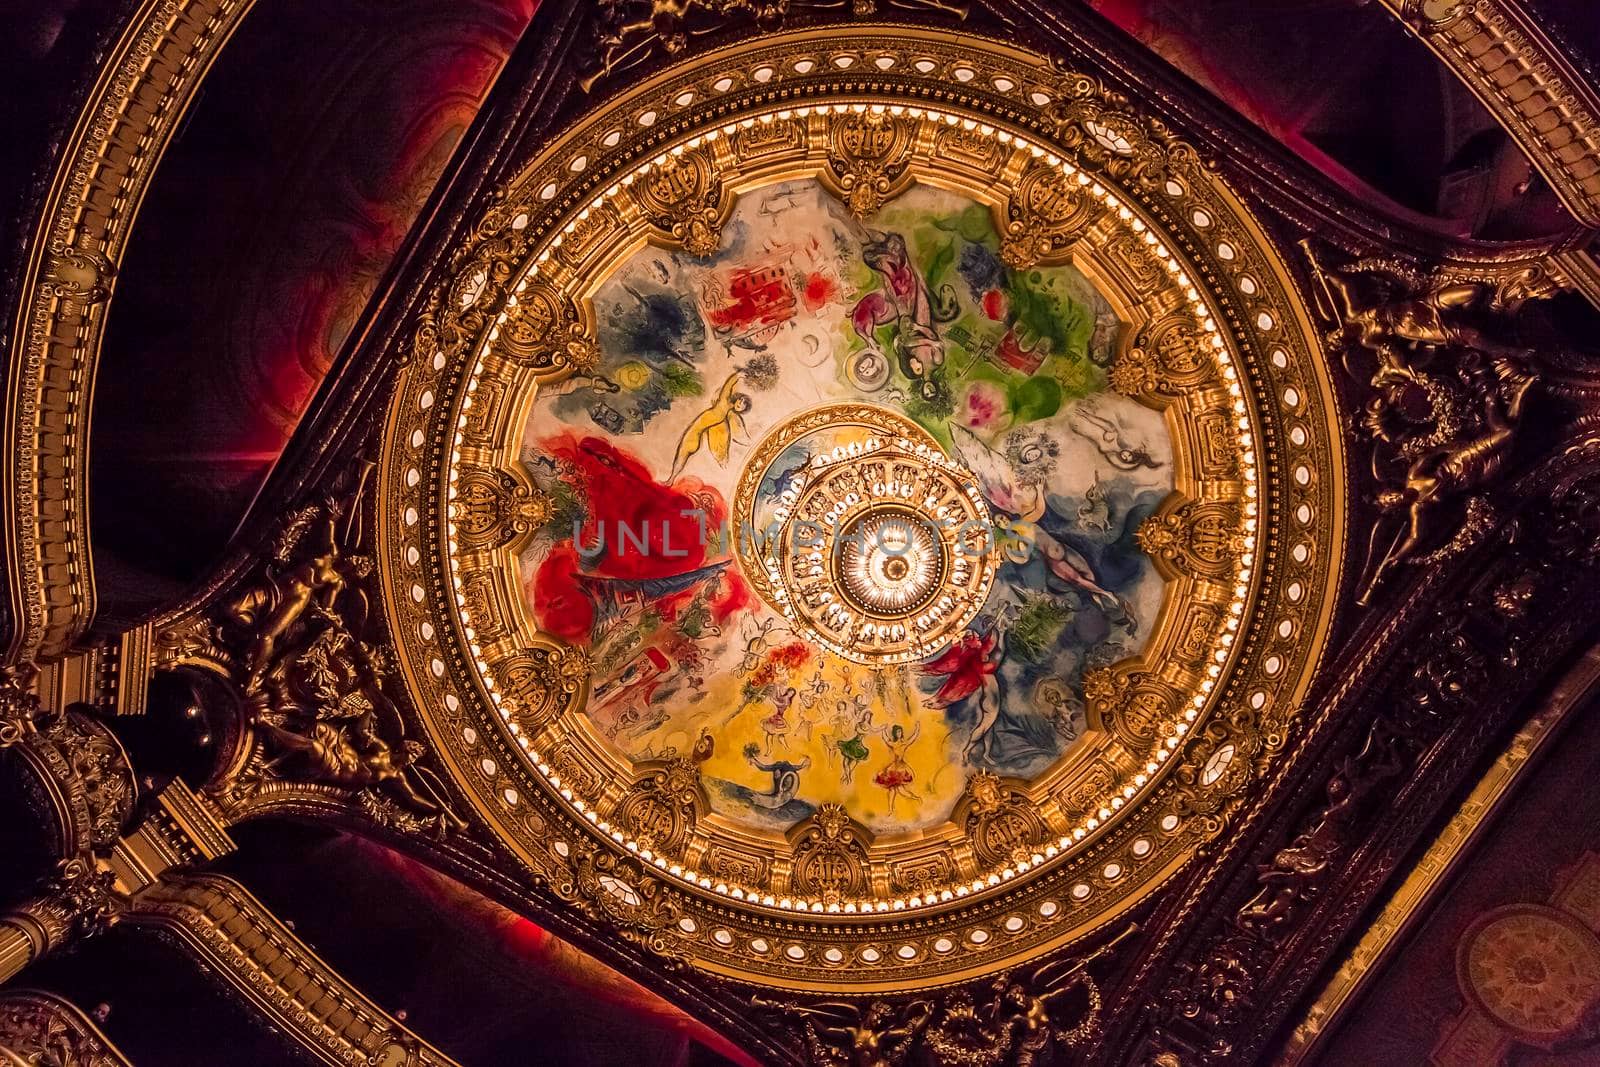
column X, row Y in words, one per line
column 910, row 305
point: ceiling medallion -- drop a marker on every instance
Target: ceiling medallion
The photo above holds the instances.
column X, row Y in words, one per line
column 879, row 549
column 889, row 556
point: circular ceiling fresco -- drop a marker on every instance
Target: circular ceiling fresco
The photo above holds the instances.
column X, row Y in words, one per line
column 845, row 494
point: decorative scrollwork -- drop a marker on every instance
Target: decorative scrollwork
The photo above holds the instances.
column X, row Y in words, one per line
column 544, row 680
column 1107, row 133
column 682, row 197
column 628, row 32
column 1166, row 359
column 1199, row 538
column 1012, row 1020
column 662, row 807
column 81, row 761
column 869, row 156
column 1045, row 214
column 1002, row 824
column 1133, row 703
column 493, row 506
column 43, row 1029
column 544, row 330
column 83, row 277
column 623, row 892
column 830, row 856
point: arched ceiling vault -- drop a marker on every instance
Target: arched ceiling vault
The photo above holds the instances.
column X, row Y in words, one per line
column 910, row 528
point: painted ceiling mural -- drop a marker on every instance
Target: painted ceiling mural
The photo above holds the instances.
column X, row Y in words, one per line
column 805, row 307
column 856, row 507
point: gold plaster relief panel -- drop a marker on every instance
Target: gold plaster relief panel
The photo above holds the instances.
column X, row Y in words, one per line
column 1175, row 733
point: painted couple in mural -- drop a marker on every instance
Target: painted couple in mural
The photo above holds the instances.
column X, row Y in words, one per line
column 911, row 311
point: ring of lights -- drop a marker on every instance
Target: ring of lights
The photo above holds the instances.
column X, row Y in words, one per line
column 882, row 551
column 1177, row 734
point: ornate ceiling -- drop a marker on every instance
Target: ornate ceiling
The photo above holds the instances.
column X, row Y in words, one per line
column 915, row 533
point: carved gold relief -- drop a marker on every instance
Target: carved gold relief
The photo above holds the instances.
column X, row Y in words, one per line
column 1044, row 215
column 1002, row 824
column 492, row 507
column 662, row 807
column 830, row 856
column 543, row 681
column 682, row 197
column 150, row 74
column 1450, row 381
column 1166, row 359
column 1200, row 538
column 44, row 1029
column 868, row 157
column 544, row 330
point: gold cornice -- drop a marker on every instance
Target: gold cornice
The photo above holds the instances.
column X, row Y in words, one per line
column 1543, row 100
column 130, row 115
column 228, row 929
column 1443, row 859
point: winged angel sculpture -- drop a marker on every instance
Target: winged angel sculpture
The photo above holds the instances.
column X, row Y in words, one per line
column 312, row 682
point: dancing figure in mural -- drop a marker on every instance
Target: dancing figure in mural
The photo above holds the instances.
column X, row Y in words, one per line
column 853, row 749
column 717, row 427
column 776, row 726
column 897, row 776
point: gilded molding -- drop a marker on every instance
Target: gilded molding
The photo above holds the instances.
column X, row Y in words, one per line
column 228, row 929
column 1542, row 99
column 132, row 112
column 42, row 1028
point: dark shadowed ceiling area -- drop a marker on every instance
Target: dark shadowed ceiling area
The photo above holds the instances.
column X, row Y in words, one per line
column 283, row 199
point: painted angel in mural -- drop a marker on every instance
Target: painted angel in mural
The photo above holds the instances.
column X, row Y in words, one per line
column 909, row 305
column 970, row 667
column 1021, row 493
column 717, row 427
